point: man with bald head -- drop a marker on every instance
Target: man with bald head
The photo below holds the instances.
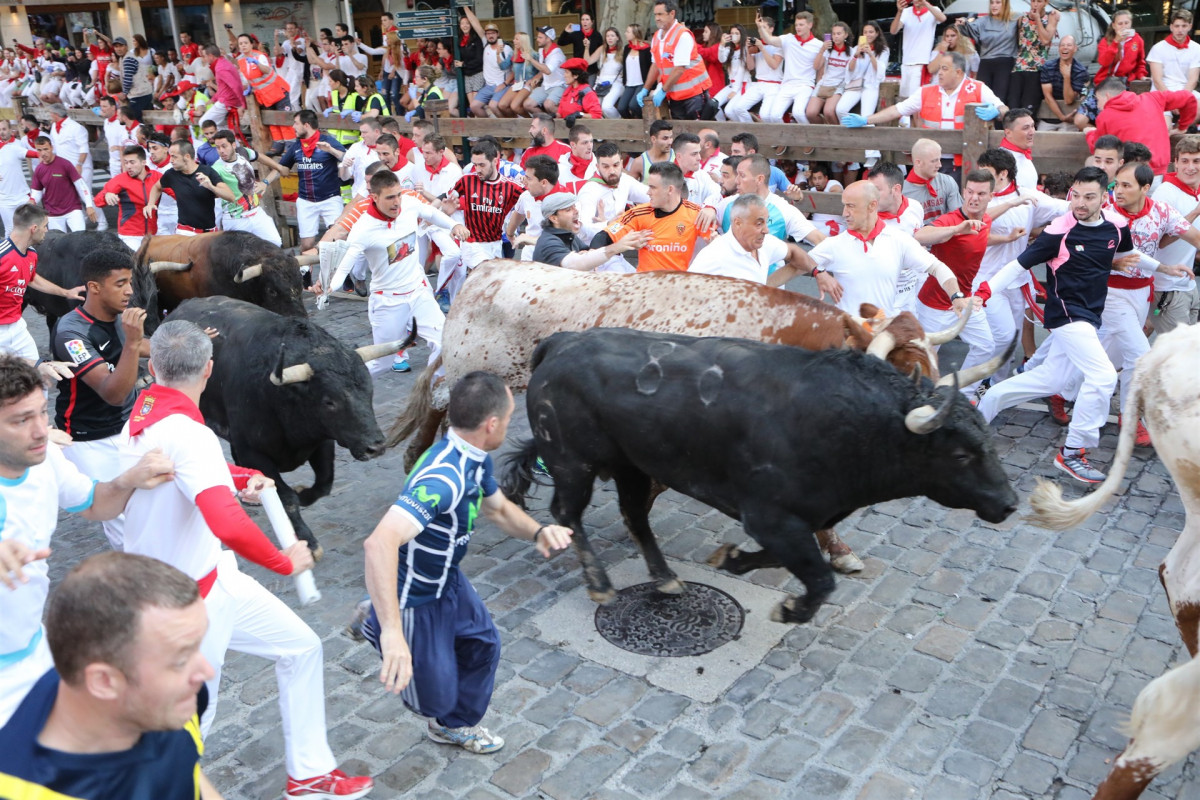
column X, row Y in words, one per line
column 1063, row 84
column 862, row 264
column 936, row 192
column 711, row 157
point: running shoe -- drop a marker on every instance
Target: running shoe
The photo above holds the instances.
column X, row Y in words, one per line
column 361, row 611
column 1075, row 464
column 361, row 288
column 443, row 301
column 336, row 785
column 475, row 739
column 1143, row 435
column 401, row 365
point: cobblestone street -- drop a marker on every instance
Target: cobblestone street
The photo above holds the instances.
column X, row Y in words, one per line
column 968, row 660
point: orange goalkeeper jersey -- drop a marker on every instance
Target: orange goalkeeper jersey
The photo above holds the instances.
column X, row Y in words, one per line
column 674, row 235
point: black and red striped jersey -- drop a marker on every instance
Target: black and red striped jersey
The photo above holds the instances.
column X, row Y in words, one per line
column 485, row 205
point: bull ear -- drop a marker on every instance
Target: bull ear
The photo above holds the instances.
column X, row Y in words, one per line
column 856, row 335
column 927, row 419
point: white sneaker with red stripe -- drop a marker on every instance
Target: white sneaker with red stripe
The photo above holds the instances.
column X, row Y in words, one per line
column 337, row 785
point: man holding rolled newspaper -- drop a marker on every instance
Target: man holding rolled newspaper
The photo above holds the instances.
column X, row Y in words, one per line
column 185, row 522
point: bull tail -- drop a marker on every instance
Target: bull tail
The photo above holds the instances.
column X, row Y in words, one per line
column 420, row 406
column 1051, row 511
column 517, row 473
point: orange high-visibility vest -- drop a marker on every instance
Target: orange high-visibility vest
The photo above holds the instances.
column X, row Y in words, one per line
column 931, row 105
column 694, row 79
column 269, row 86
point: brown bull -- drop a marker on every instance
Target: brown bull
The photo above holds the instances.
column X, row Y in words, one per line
column 230, row 264
column 508, row 307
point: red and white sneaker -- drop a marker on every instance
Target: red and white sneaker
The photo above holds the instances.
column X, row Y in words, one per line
column 1058, row 409
column 337, row 785
column 1143, row 436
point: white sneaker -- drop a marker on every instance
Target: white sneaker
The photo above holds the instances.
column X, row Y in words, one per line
column 476, row 739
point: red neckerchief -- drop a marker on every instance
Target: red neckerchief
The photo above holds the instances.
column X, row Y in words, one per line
column 639, row 45
column 519, row 58
column 915, row 179
column 436, row 169
column 870, row 237
column 309, row 146
column 1173, row 179
column 463, row 41
column 610, row 49
column 164, row 163
column 1010, row 189
column 373, row 210
column 919, row 11
column 550, row 49
column 58, row 125
column 840, row 48
column 586, row 31
column 1007, row 145
column 578, row 165
column 156, row 403
column 131, row 128
column 899, row 212
column 113, row 118
column 1132, row 216
column 1186, row 43
column 804, row 41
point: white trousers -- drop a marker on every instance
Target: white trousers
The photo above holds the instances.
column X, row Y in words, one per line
column 132, row 242
column 609, row 106
column 910, row 79
column 738, row 109
column 977, row 334
column 18, row 678
column 451, row 255
column 791, row 94
column 391, row 316
column 6, row 214
column 867, row 98
column 1072, row 348
column 473, row 254
column 310, row 214
column 1125, row 312
column 217, row 112
column 100, row 460
column 246, row 618
column 73, row 221
column 88, row 172
column 259, row 223
column 16, row 339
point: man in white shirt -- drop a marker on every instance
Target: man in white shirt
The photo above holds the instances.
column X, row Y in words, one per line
column 434, row 176
column 1175, row 61
column 784, row 220
column 548, row 63
column 541, row 178
column 35, row 482
column 862, row 264
column 70, row 140
column 293, row 47
column 605, row 197
column 711, row 157
column 578, row 164
column 361, row 155
column 387, row 236
column 919, row 20
column 14, row 189
column 496, row 77
column 899, row 212
column 1019, row 128
column 799, row 74
column 1176, row 300
column 748, row 252
column 114, row 134
column 702, row 189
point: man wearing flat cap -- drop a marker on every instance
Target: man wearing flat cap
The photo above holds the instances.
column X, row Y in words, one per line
column 559, row 246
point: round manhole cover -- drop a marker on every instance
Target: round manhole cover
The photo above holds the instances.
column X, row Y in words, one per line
column 645, row 621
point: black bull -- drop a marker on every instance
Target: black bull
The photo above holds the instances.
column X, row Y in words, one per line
column 282, row 392
column 784, row 440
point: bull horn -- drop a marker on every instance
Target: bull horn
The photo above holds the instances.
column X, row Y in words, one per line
column 881, row 345
column 927, row 419
column 297, row 373
column 965, row 377
column 941, row 337
column 370, row 352
column 252, row 271
column 169, row 266
column 309, row 260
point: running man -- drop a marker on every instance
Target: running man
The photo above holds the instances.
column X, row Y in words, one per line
column 439, row 645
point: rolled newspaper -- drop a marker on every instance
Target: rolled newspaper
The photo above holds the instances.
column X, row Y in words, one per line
column 306, row 585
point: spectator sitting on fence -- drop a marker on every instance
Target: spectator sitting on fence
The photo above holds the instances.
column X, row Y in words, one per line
column 1064, row 83
column 579, row 99
column 548, row 63
column 1139, row 117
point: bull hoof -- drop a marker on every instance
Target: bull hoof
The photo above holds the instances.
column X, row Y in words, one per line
column 846, row 563
column 795, row 610
column 602, row 598
column 671, row 586
column 318, row 552
column 722, row 555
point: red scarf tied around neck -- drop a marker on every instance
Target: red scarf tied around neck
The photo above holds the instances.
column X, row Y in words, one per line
column 578, row 165
column 870, row 237
column 917, row 180
column 1174, row 180
column 308, row 146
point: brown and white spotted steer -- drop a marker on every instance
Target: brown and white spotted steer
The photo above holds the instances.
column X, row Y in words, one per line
column 1166, row 393
column 507, row 307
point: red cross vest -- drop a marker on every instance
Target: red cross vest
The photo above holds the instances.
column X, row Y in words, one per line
column 695, row 77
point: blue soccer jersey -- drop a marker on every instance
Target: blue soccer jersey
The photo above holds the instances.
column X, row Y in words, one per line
column 442, row 497
column 163, row 765
column 318, row 173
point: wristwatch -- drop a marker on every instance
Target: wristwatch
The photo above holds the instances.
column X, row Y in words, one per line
column 957, row 296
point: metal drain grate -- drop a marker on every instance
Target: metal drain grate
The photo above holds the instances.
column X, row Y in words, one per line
column 642, row 620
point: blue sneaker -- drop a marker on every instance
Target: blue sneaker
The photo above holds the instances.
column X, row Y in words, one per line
column 539, row 467
column 402, row 365
column 443, row 301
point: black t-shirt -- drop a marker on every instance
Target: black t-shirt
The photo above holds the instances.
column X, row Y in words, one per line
column 556, row 244
column 88, row 344
column 163, row 765
column 196, row 203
